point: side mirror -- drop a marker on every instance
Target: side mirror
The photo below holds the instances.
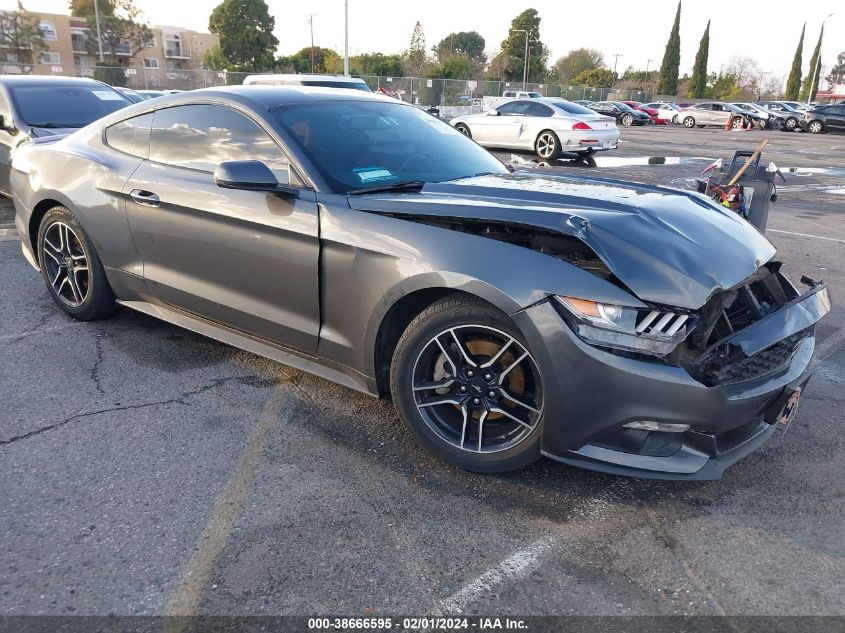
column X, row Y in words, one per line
column 772, row 168
column 250, row 175
column 493, row 112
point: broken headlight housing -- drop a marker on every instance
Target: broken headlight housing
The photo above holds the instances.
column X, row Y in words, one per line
column 644, row 331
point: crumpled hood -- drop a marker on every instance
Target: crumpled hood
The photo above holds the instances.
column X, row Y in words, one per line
column 668, row 246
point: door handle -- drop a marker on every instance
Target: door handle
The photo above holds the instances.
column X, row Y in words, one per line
column 146, row 198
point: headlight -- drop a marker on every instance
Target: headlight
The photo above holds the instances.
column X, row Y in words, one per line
column 652, row 332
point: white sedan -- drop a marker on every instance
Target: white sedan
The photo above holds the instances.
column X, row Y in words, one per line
column 548, row 126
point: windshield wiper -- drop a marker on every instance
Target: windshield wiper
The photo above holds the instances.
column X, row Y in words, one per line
column 409, row 185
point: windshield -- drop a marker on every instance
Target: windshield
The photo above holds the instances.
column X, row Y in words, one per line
column 360, row 144
column 623, row 106
column 569, row 107
column 65, row 106
column 535, row 95
column 354, row 85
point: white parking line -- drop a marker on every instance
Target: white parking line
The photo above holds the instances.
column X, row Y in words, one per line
column 514, row 566
column 818, row 237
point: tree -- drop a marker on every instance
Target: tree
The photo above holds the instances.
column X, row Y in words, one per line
column 84, row 8
column 723, row 87
column 513, row 47
column 376, row 64
column 837, row 72
column 595, row 78
column 469, row 43
column 793, row 84
column 214, row 59
column 457, row 66
column 21, row 39
column 246, row 35
column 811, row 83
column 698, row 83
column 325, row 60
column 575, row 62
column 415, row 59
column 668, row 83
column 121, row 32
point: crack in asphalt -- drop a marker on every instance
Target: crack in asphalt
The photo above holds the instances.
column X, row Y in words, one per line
column 42, row 321
column 177, row 400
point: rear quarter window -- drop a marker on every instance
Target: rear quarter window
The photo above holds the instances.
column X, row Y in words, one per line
column 131, row 136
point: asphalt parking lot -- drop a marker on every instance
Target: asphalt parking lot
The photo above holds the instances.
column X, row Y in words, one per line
column 147, row 470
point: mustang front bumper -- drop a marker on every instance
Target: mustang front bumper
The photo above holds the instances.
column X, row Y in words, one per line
column 591, row 393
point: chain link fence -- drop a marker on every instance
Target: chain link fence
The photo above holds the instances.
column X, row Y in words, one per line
column 467, row 95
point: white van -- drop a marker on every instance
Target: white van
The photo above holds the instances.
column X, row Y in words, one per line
column 324, row 81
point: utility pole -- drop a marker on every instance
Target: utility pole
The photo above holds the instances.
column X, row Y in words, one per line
column 810, row 94
column 346, row 38
column 311, row 24
column 97, row 20
column 646, row 72
column 525, row 65
column 616, row 57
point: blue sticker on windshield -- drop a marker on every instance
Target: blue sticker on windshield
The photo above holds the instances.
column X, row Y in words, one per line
column 373, row 174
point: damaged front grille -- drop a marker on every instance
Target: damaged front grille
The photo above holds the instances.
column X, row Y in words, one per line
column 714, row 359
column 766, row 363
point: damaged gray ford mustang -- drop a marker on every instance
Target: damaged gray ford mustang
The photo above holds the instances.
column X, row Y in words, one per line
column 622, row 327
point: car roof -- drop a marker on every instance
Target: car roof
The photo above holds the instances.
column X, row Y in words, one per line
column 302, row 77
column 48, row 80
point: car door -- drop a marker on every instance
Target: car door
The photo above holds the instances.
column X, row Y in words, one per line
column 721, row 114
column 504, row 129
column 243, row 259
column 835, row 118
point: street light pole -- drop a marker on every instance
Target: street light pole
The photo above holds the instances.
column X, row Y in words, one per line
column 616, row 57
column 346, row 38
column 810, row 94
column 525, row 65
column 311, row 24
column 97, row 20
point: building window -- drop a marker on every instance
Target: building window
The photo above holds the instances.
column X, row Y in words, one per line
column 124, row 48
column 79, row 41
column 151, row 43
column 48, row 31
column 173, row 46
column 50, row 58
column 150, row 63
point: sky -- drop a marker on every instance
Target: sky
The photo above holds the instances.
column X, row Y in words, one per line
column 634, row 29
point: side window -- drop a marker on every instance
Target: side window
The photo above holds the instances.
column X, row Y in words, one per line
column 131, row 136
column 507, row 108
column 203, row 136
column 538, row 109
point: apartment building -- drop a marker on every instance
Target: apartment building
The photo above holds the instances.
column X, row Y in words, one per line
column 171, row 59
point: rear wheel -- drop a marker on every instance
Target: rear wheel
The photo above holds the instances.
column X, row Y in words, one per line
column 467, row 386
column 737, row 122
column 791, row 123
column 689, row 122
column 815, row 127
column 71, row 267
column 463, row 129
column 547, row 145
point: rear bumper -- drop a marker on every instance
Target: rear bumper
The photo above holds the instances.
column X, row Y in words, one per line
column 591, row 394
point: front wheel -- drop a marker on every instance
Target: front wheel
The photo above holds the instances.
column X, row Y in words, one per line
column 737, row 123
column 689, row 122
column 467, row 386
column 791, row 123
column 71, row 267
column 815, row 127
column 463, row 129
column 628, row 120
column 547, row 145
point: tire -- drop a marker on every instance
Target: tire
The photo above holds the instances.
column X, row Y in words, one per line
column 434, row 350
column 547, row 145
column 689, row 122
column 737, row 122
column 815, row 127
column 675, row 118
column 791, row 124
column 627, row 120
column 463, row 129
column 71, row 267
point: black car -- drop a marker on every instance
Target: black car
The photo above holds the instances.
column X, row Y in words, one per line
column 32, row 106
column 829, row 118
column 622, row 112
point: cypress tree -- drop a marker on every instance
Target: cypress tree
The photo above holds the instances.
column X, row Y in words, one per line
column 698, row 84
column 668, row 84
column 808, row 91
column 793, row 84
